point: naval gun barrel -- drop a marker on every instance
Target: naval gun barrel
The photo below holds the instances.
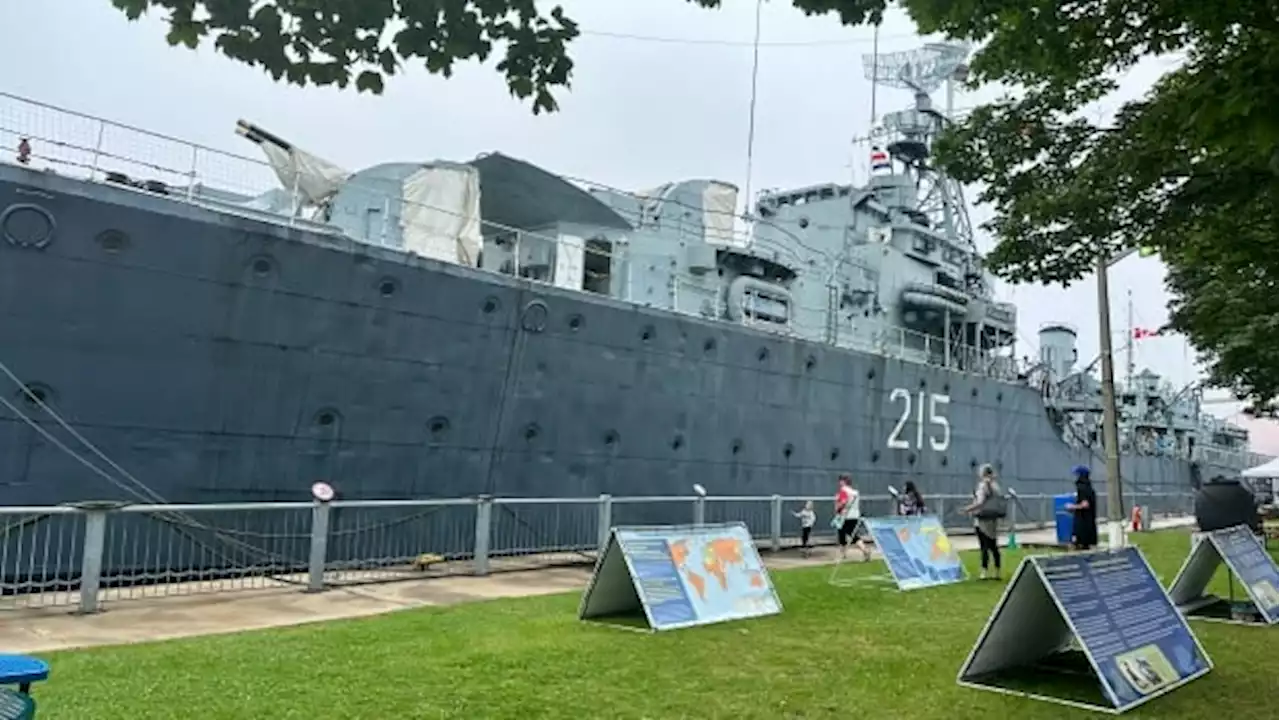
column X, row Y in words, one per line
column 257, row 135
column 313, row 180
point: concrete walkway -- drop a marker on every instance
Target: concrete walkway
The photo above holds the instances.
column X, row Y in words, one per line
column 37, row 630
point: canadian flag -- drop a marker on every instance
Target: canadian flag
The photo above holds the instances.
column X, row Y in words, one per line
column 1141, row 333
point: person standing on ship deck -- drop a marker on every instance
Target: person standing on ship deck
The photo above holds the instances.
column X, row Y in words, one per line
column 848, row 518
column 986, row 528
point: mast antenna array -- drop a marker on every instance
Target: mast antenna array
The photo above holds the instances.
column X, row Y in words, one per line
column 923, row 70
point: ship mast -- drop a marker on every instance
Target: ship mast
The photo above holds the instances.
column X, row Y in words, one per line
column 748, row 206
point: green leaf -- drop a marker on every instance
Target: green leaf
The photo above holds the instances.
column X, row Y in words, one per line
column 369, row 81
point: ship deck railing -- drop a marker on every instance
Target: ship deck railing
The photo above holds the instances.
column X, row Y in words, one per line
column 84, row 556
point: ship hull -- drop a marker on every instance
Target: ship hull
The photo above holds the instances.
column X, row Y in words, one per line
column 219, row 358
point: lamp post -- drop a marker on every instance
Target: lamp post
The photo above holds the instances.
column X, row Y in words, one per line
column 1110, row 427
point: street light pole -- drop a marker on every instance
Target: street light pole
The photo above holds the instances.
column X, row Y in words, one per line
column 1110, row 428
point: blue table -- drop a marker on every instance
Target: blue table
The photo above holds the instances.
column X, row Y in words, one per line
column 21, row 670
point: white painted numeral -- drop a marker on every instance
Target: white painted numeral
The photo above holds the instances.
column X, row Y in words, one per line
column 937, row 401
column 939, row 441
column 895, row 441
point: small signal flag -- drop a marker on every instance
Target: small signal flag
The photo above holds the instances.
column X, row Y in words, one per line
column 1141, row 333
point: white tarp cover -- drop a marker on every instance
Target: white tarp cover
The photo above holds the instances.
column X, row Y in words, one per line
column 1269, row 469
column 719, row 208
column 441, row 214
column 313, row 178
column 570, row 262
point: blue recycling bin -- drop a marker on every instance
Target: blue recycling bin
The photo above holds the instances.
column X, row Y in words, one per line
column 1062, row 517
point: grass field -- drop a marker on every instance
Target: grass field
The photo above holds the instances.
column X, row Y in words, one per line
column 833, row 653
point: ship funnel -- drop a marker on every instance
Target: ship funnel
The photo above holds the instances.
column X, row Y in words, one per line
column 313, row 180
column 1058, row 349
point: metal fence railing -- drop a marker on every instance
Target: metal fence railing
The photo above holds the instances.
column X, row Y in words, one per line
column 85, row 555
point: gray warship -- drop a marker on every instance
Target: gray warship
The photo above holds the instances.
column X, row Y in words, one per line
column 452, row 329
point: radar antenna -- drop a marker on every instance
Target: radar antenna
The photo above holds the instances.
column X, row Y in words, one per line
column 908, row 135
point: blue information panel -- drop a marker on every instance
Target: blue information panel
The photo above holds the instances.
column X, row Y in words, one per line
column 1252, row 566
column 917, row 550
column 694, row 575
column 1135, row 638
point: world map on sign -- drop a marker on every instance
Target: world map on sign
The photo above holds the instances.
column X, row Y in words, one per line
column 917, row 550
column 722, row 573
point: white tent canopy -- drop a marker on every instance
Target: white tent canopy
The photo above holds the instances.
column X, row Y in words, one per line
column 1270, row 469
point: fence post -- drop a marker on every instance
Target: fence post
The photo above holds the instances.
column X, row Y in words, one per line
column 775, row 523
column 319, row 546
column 604, row 521
column 95, row 533
column 699, row 510
column 484, row 530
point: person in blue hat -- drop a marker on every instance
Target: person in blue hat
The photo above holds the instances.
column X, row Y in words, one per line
column 1084, row 511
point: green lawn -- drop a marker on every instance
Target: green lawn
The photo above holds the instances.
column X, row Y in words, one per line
column 833, row 653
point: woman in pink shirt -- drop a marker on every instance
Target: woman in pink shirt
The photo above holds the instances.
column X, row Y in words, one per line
column 848, row 518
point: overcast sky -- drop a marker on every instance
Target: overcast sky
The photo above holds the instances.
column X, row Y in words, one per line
column 641, row 112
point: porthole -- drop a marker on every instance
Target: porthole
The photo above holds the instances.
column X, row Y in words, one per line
column 112, row 241
column 999, row 397
column 677, row 442
column 834, row 454
column 923, row 384
column 611, row 438
column 388, row 287
column 709, row 345
column 261, row 266
column 973, row 392
column 532, row 431
column 875, row 455
column 490, row 305
column 647, row 333
column 735, row 447
column 438, row 426
column 810, row 363
column 762, row 354
column 575, row 322
column 946, row 388
column 788, row 450
column 871, row 374
column 35, row 394
column 326, row 418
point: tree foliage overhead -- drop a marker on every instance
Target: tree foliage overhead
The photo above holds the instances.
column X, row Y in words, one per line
column 1190, row 169
column 336, row 42
column 332, row 42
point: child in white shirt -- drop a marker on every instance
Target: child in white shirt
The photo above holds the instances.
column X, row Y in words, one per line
column 807, row 519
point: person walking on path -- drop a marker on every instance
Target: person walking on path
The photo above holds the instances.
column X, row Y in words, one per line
column 807, row 519
column 1084, row 511
column 986, row 528
column 848, row 519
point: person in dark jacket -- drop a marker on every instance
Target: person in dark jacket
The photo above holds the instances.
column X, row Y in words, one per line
column 910, row 502
column 1084, row 511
